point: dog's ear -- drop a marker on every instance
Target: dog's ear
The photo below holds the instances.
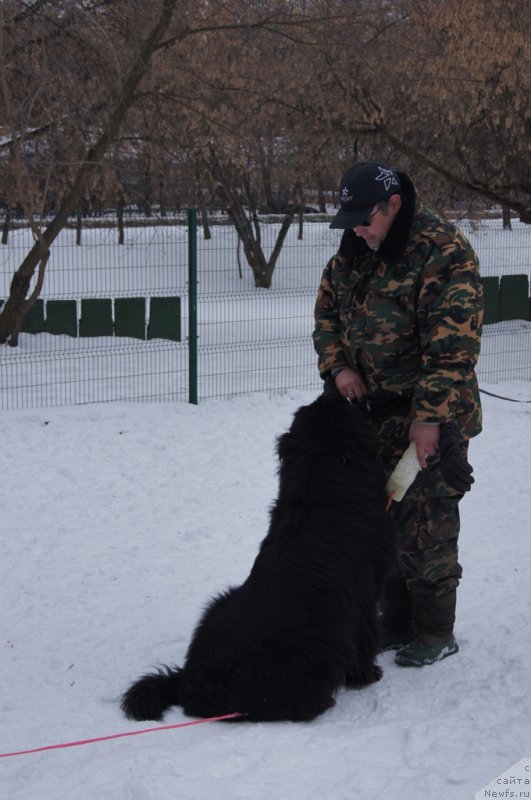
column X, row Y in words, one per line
column 295, row 443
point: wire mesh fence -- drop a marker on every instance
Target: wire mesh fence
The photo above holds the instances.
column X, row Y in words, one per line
column 248, row 339
column 58, row 368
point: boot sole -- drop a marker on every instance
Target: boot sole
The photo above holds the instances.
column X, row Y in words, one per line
column 424, row 661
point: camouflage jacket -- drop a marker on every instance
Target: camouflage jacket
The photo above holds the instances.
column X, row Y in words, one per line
column 409, row 325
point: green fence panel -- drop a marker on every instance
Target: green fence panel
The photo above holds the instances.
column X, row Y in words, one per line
column 514, row 297
column 34, row 322
column 165, row 318
column 61, row 317
column 96, row 318
column 130, row 317
column 491, row 297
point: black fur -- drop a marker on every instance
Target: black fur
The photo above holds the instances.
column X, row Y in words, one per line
column 303, row 624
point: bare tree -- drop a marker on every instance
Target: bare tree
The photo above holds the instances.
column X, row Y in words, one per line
column 250, row 99
column 438, row 84
column 88, row 103
column 237, row 140
column 17, row 305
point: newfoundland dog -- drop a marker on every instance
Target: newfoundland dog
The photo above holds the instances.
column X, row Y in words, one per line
column 303, row 624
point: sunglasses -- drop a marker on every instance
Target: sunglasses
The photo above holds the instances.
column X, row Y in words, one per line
column 367, row 223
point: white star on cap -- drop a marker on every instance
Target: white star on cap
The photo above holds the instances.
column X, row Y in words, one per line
column 388, row 177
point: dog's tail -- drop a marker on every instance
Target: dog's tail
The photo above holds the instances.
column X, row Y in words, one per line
column 151, row 695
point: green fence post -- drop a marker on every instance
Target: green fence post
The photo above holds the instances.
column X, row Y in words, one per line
column 192, row 305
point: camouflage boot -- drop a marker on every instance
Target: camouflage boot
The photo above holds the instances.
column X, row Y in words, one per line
column 434, row 617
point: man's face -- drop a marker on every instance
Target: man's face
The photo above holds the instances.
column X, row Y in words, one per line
column 379, row 222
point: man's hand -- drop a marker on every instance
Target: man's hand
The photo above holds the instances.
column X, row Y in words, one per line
column 350, row 384
column 426, row 438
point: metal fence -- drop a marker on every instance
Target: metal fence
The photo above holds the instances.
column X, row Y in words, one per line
column 248, row 339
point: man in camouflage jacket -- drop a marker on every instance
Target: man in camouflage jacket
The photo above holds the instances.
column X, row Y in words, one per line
column 397, row 329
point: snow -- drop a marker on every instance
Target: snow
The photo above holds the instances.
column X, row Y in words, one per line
column 121, row 520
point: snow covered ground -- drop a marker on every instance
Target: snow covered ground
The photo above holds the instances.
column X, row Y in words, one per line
column 120, row 521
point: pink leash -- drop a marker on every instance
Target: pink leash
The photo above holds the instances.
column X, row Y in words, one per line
column 121, row 735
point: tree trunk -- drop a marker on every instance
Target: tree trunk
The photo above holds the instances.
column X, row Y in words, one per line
column 506, row 218
column 16, row 305
column 120, row 219
column 249, row 230
column 321, row 199
column 204, row 221
column 265, row 171
column 5, row 226
column 162, row 196
column 298, row 197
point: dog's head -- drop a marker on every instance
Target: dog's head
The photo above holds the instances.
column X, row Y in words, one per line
column 333, row 428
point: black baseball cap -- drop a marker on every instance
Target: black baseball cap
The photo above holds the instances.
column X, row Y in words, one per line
column 361, row 187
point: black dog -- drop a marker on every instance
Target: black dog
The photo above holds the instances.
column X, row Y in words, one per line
column 303, row 624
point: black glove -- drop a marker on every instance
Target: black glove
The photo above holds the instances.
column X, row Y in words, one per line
column 454, row 467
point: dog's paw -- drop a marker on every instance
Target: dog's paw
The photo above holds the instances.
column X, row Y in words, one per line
column 357, row 678
column 377, row 673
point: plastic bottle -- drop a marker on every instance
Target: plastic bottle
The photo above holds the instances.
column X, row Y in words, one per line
column 403, row 474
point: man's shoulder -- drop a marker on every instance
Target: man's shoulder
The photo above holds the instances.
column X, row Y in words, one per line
column 440, row 232
column 430, row 225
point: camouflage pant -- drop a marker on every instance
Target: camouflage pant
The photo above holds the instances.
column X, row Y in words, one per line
column 427, row 517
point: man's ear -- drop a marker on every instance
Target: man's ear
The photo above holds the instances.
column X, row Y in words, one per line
column 395, row 203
